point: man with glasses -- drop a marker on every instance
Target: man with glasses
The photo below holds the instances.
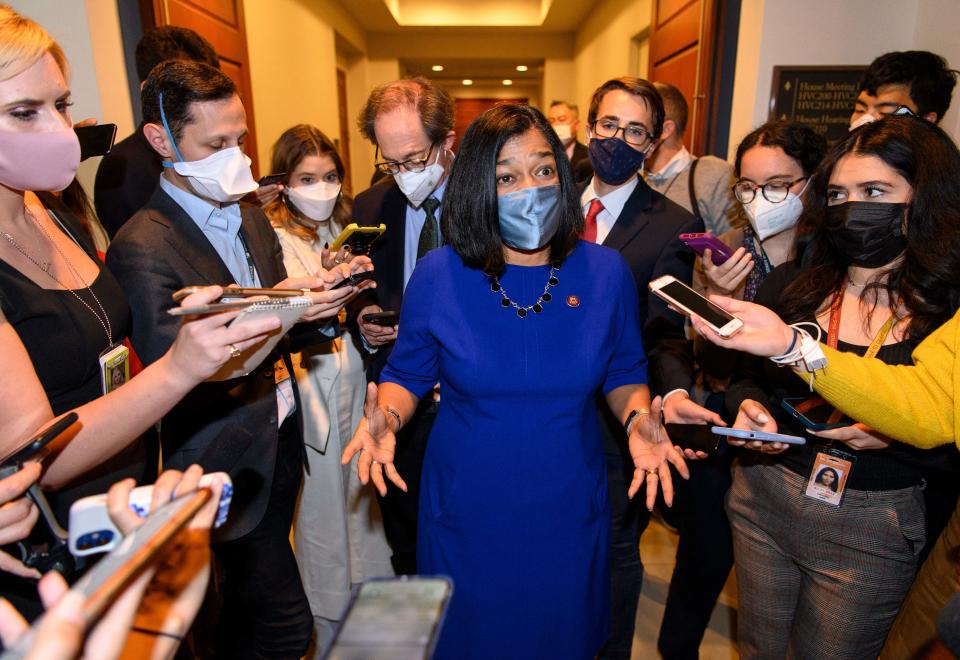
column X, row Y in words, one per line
column 410, row 122
column 622, row 212
column 915, row 82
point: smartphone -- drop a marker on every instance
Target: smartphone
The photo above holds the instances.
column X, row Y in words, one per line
column 115, row 572
column 815, row 414
column 719, row 251
column 690, row 302
column 353, row 280
column 271, row 179
column 384, row 319
column 95, row 140
column 397, row 618
column 697, row 437
column 357, row 238
column 762, row 436
column 239, row 292
column 36, row 447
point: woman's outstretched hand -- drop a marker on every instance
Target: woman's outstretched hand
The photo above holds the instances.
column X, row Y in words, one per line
column 375, row 441
column 652, row 453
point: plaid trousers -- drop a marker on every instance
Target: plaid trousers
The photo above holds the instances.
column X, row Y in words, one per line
column 815, row 580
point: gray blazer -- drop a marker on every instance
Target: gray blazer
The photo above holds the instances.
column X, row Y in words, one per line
column 228, row 426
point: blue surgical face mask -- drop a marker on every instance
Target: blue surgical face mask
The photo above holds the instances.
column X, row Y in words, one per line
column 614, row 161
column 529, row 218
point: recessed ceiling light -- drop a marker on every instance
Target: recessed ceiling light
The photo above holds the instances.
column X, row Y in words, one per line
column 521, row 68
column 507, row 82
column 467, row 82
column 437, row 67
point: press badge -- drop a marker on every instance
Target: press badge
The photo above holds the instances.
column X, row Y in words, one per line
column 114, row 367
column 828, row 478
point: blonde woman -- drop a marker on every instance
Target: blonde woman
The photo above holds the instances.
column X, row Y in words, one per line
column 338, row 533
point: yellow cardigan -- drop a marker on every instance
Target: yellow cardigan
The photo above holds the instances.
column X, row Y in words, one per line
column 915, row 404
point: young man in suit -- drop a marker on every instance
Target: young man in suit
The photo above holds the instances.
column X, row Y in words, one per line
column 410, row 122
column 193, row 231
column 565, row 119
column 622, row 212
column 128, row 175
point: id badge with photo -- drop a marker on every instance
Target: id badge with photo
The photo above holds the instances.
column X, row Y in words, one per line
column 114, row 367
column 828, row 478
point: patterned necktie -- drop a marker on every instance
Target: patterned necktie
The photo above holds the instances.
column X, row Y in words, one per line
column 590, row 222
column 430, row 234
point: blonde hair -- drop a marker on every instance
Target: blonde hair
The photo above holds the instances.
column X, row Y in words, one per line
column 294, row 145
column 23, row 42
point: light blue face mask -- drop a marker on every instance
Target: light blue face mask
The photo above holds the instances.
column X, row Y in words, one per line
column 529, row 218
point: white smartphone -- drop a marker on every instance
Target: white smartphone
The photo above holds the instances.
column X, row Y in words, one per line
column 688, row 301
column 762, row 436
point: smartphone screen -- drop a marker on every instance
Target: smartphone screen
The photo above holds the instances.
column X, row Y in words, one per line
column 396, row 618
column 697, row 304
column 95, row 140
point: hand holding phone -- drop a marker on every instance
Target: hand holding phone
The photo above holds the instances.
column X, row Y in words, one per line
column 689, row 302
column 726, row 278
column 698, row 242
column 353, row 280
column 357, row 238
column 383, row 319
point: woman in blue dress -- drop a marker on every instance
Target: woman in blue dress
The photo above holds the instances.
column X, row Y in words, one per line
column 522, row 325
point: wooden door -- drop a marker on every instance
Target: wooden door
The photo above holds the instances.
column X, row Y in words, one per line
column 684, row 51
column 466, row 110
column 343, row 144
column 221, row 23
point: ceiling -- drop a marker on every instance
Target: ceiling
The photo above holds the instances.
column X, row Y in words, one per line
column 398, row 15
column 481, row 71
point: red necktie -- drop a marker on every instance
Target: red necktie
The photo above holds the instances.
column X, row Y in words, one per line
column 590, row 222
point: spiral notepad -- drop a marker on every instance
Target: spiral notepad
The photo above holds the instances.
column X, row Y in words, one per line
column 288, row 310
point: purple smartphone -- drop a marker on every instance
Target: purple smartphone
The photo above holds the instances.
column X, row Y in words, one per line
column 719, row 251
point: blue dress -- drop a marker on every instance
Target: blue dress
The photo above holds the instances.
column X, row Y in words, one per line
column 513, row 499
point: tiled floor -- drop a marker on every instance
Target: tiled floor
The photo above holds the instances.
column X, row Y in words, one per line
column 657, row 549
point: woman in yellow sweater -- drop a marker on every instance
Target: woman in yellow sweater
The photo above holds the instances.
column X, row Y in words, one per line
column 918, row 404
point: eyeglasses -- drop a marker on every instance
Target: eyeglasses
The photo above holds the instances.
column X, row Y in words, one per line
column 773, row 191
column 632, row 134
column 411, row 165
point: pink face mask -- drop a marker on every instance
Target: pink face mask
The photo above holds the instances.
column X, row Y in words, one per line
column 39, row 161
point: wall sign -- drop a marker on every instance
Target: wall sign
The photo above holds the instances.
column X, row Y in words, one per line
column 819, row 96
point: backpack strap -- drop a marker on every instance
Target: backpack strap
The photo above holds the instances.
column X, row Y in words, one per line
column 694, row 207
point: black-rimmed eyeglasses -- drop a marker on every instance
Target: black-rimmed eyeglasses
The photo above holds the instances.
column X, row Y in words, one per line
column 410, row 165
column 632, row 134
column 773, row 191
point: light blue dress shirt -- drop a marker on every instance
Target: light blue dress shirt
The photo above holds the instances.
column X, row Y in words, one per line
column 411, row 240
column 221, row 226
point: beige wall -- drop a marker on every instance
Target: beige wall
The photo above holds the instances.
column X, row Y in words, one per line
column 820, row 32
column 936, row 31
column 604, row 48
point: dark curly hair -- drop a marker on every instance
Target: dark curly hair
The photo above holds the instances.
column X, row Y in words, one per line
column 926, row 75
column 927, row 280
column 470, row 219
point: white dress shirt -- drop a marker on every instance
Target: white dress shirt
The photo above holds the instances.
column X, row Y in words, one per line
column 613, row 203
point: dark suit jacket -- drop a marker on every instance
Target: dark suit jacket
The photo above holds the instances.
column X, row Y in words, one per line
column 646, row 234
column 580, row 163
column 230, row 425
column 126, row 179
column 384, row 203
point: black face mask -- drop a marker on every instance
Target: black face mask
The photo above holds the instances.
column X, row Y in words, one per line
column 869, row 233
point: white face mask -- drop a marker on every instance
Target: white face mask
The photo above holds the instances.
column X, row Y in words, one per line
column 315, row 201
column 769, row 219
column 417, row 186
column 223, row 176
column 862, row 120
column 564, row 132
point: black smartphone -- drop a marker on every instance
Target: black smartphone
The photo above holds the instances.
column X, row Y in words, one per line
column 815, row 414
column 353, row 280
column 95, row 140
column 697, row 437
column 384, row 319
column 35, row 448
column 271, row 179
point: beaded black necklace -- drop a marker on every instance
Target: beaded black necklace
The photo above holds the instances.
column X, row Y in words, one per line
column 536, row 307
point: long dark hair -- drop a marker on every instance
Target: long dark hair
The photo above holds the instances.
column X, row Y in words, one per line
column 927, row 279
column 470, row 220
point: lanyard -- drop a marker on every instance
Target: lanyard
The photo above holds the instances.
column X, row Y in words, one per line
column 833, row 334
column 250, row 266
